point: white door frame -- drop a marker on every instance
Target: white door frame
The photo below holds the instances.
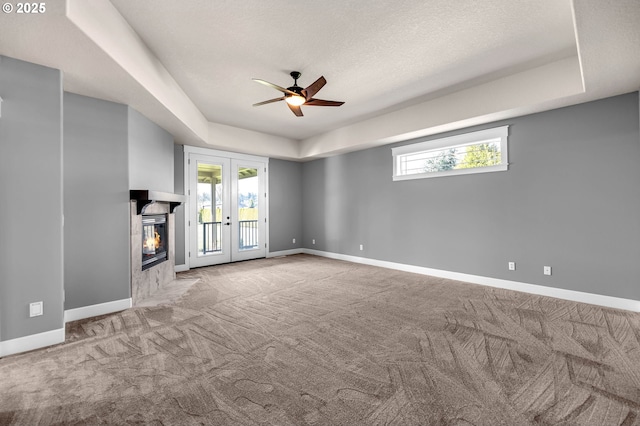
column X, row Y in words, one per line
column 232, row 156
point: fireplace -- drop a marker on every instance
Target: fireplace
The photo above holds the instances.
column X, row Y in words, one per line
column 154, row 240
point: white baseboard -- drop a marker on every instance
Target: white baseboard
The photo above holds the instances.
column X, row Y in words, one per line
column 31, row 342
column 285, row 252
column 181, row 268
column 559, row 293
column 53, row 337
column 95, row 310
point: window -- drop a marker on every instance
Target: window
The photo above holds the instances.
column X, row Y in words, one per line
column 476, row 152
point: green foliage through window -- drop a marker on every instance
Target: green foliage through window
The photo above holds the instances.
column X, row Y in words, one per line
column 482, row 155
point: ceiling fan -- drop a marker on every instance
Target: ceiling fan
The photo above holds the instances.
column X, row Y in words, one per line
column 295, row 96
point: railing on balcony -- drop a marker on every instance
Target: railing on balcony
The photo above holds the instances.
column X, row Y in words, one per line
column 248, row 234
column 211, row 232
column 211, row 237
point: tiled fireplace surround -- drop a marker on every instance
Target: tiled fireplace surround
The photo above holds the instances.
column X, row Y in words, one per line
column 146, row 283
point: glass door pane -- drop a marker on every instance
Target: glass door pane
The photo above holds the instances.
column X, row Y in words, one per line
column 209, row 208
column 248, row 209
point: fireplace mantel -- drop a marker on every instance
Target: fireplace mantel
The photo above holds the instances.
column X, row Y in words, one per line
column 146, row 197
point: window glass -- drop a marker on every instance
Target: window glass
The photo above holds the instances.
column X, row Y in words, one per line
column 476, row 152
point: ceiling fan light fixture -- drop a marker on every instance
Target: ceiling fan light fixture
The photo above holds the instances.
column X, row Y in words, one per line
column 295, row 96
column 296, row 100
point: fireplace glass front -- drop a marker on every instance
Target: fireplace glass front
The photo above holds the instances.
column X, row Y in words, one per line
column 154, row 240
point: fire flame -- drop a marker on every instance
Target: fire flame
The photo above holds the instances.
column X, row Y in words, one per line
column 152, row 243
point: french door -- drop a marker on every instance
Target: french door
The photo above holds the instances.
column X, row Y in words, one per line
column 227, row 209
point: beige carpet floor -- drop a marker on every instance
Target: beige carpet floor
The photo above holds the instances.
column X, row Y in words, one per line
column 305, row 340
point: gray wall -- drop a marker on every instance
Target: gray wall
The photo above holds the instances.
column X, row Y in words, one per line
column 570, row 199
column 178, row 185
column 150, row 154
column 285, row 205
column 31, row 256
column 96, row 200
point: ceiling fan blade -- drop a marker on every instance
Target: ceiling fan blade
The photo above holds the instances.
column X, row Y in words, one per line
column 314, row 88
column 269, row 101
column 322, row 102
column 295, row 109
column 275, row 86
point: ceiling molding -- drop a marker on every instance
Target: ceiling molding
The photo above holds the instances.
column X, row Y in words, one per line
column 599, row 58
column 525, row 92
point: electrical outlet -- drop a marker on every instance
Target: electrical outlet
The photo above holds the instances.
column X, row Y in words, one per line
column 512, row 266
column 35, row 309
column 294, row 241
column 361, row 247
column 547, row 270
column 313, row 241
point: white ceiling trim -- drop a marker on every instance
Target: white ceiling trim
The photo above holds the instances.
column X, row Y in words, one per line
column 99, row 20
column 246, row 141
column 556, row 84
column 522, row 93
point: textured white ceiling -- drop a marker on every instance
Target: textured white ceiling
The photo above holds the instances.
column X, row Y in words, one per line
column 404, row 68
column 375, row 55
